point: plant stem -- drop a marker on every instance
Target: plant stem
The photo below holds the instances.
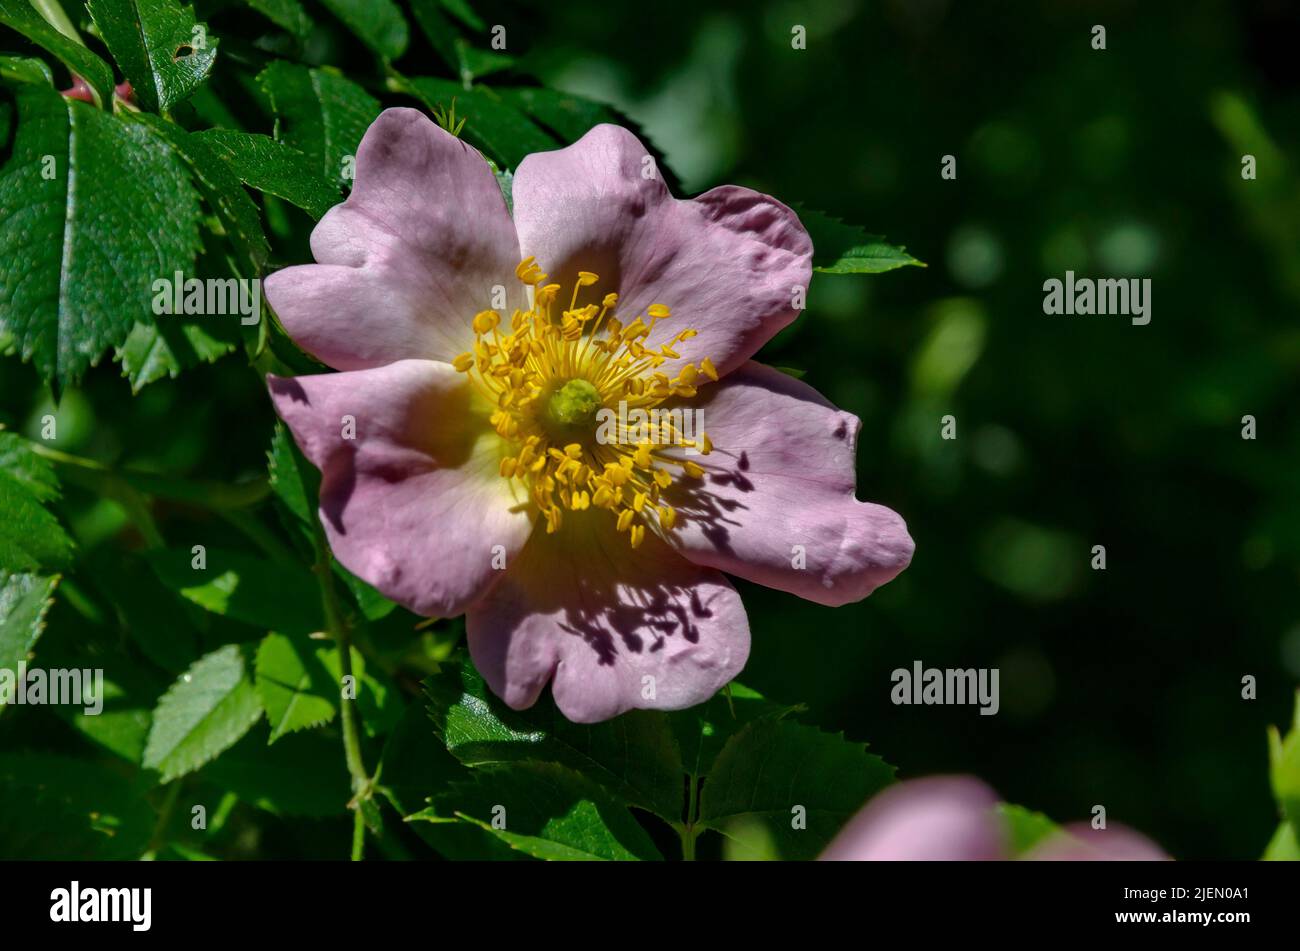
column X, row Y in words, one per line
column 688, row 834
column 159, row 837
column 358, row 837
column 362, row 784
column 688, row 830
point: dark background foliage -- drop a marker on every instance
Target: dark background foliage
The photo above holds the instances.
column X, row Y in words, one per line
column 1119, row 687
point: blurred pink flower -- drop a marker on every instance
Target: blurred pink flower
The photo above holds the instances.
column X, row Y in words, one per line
column 474, row 478
column 955, row 819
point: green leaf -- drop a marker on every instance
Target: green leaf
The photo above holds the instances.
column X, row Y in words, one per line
column 21, row 463
column 302, row 775
column 24, row 601
column 377, row 23
column 274, row 168
column 702, row 731
column 632, row 756
column 25, row 69
column 180, row 342
column 569, row 117
column 221, row 189
column 415, row 766
column 440, row 31
column 506, row 180
column 462, row 11
column 492, row 124
column 130, row 688
column 473, row 63
column 775, row 771
column 840, row 248
column 374, row 606
column 1025, row 828
column 31, row 538
column 245, row 587
column 300, row 683
column 286, row 13
column 205, row 712
column 150, row 614
column 55, row 807
column 1284, row 846
column 76, row 267
column 157, row 46
column 297, row 690
column 19, row 15
column 547, row 811
column 294, row 480
column 319, row 113
column 1284, row 770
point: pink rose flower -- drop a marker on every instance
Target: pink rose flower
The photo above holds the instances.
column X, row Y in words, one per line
column 482, row 357
column 955, row 819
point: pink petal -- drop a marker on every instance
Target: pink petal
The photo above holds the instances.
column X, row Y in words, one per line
column 617, row 628
column 939, row 819
column 729, row 263
column 414, row 504
column 779, row 492
column 1080, row 842
column 408, row 260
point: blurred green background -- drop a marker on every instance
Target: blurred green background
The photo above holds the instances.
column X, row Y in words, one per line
column 1119, row 687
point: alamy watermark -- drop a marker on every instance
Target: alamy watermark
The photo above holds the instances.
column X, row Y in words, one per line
column 213, row 296
column 947, row 686
column 133, row 906
column 1123, row 296
column 658, row 427
column 70, row 687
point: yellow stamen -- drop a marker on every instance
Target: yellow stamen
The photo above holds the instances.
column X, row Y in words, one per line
column 549, row 375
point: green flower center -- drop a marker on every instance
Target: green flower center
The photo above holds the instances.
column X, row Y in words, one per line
column 574, row 405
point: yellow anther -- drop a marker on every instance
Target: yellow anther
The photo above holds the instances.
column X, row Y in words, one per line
column 562, row 465
column 528, row 271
